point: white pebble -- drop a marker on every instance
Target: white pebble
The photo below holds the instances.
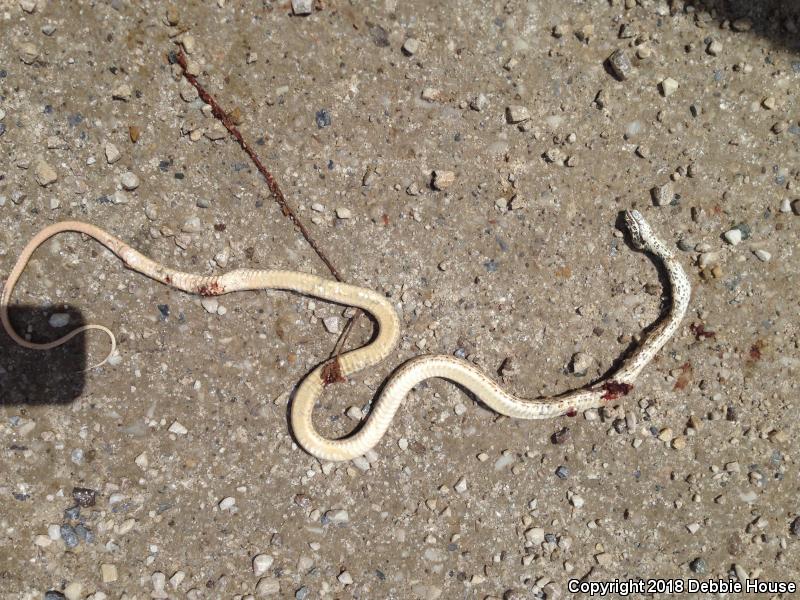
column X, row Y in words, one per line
column 344, row 213
column 733, row 236
column 331, row 324
column 668, row 86
column 227, row 503
column 178, row 429
column 461, row 486
column 345, row 578
column 54, row 532
column 129, row 181
column 262, row 564
column 112, row 153
column 762, row 255
column 58, row 320
column 577, row 501
column 211, row 304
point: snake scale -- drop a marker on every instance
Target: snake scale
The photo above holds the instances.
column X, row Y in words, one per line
column 410, row 373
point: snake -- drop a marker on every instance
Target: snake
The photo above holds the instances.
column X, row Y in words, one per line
column 411, row 373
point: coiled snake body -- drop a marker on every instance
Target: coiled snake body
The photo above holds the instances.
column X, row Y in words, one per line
column 409, row 374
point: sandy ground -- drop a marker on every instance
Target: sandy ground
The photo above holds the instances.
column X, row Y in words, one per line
column 183, row 442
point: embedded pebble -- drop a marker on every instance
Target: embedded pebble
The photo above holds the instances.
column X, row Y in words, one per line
column 411, row 46
column 108, row 572
column 261, row 564
column 443, row 179
column 45, row 174
column 337, row 516
column 344, row 213
column 517, row 114
column 714, row 48
column 345, row 578
column 733, row 236
column 302, row 7
column 122, row 92
column 178, row 429
column 192, row 225
column 227, row 503
column 268, row 586
column 28, row 53
column 210, row 304
column 112, row 153
column 762, row 255
column 662, row 194
column 331, row 324
column 129, row 181
column 580, row 363
column 668, row 86
column 461, row 486
column 57, row 320
column 620, row 65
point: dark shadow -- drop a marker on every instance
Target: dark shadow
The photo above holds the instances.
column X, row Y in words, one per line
column 774, row 20
column 41, row 376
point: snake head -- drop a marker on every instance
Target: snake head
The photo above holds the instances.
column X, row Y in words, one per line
column 637, row 227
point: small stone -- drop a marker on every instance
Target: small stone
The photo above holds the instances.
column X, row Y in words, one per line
column 227, row 503
column 743, row 24
column 331, row 324
column 517, row 114
column 268, row 586
column 29, row 6
column 794, row 528
column 479, row 103
column 668, row 86
column 53, row 595
column 28, row 53
column 762, row 255
column 337, row 516
column 44, row 174
column 262, row 564
column 795, row 206
column 603, row 559
column 562, row 472
column 535, row 535
column 172, row 15
column 461, row 486
column 323, row 118
column 355, row 413
column 210, row 304
column 620, row 65
column 779, row 127
column 553, row 155
column 431, row 94
column 73, row 591
column 714, row 48
column 2, row 114
column 698, row 565
column 188, row 42
column 768, row 103
column 58, row 320
column 361, row 463
column 426, row 592
column 443, row 179
column 580, row 363
column 42, row 541
column 108, row 572
column 178, row 429
column 302, row 7
column 345, row 578
column 733, row 236
column 112, row 153
column 679, row 443
column 344, row 213
column 662, row 195
column 665, row 435
column 122, row 92
column 192, row 225
column 410, row 46
column 84, row 497
column 577, row 501
column 134, row 133
column 129, row 181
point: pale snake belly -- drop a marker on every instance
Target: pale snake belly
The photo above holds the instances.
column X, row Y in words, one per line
column 409, row 374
